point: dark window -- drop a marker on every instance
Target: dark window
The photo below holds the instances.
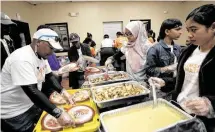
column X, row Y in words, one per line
column 62, row 31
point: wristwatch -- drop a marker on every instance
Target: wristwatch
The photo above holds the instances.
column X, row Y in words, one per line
column 57, row 112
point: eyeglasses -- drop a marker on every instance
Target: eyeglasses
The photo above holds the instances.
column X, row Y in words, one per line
column 128, row 34
column 51, row 47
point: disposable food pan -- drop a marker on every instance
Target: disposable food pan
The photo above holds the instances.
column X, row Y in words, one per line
column 101, row 79
column 143, row 117
column 120, row 100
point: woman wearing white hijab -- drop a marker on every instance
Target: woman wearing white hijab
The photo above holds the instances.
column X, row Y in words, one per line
column 135, row 50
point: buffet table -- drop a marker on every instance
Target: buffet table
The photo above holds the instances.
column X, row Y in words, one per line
column 109, row 103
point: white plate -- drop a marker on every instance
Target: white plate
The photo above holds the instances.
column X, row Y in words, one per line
column 57, row 99
column 81, row 114
column 92, row 69
column 67, row 68
column 47, row 118
column 81, row 95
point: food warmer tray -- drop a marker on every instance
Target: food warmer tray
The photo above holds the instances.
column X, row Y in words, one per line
column 116, row 112
column 90, row 77
column 122, row 100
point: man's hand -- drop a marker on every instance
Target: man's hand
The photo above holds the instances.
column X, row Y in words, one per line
column 199, row 106
column 169, row 69
column 158, row 82
column 67, row 96
column 65, row 119
column 172, row 67
column 108, row 62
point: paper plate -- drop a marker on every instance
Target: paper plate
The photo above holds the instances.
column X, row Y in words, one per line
column 81, row 114
column 92, row 69
column 81, row 95
column 57, row 99
column 67, row 68
column 50, row 123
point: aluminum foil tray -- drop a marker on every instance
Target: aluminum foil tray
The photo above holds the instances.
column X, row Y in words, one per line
column 121, row 100
column 144, row 122
column 101, row 81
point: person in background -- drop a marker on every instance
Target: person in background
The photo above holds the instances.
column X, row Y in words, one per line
column 92, row 46
column 162, row 57
column 22, row 76
column 44, row 27
column 135, row 50
column 93, row 53
column 119, row 42
column 151, row 36
column 77, row 49
column 7, row 46
column 89, row 39
column 195, row 79
column 92, row 49
column 54, row 64
column 106, row 49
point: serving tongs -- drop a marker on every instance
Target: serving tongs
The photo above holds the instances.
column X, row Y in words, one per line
column 106, row 76
column 154, row 95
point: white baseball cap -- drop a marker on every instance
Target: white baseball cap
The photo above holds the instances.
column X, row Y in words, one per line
column 5, row 19
column 49, row 36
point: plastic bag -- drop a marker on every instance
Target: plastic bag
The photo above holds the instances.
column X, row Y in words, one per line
column 193, row 125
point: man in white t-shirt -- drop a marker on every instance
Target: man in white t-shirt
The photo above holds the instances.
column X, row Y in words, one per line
column 107, row 42
column 107, row 49
column 22, row 76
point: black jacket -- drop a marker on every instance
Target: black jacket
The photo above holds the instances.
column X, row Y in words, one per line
column 206, row 79
column 76, row 78
column 4, row 55
column 73, row 53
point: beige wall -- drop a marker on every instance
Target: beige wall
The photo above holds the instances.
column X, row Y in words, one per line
column 24, row 9
column 92, row 14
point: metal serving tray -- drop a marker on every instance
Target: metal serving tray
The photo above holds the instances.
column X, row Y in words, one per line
column 90, row 77
column 117, row 101
column 142, row 105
